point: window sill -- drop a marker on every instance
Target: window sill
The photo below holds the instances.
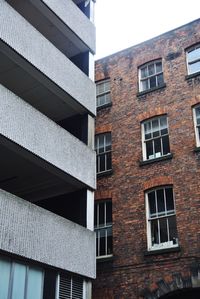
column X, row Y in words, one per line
column 197, row 149
column 187, row 77
column 163, row 158
column 105, row 258
column 105, row 173
column 104, row 106
column 162, row 251
column 141, row 93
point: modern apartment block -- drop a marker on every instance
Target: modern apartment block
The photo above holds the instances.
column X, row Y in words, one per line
column 47, row 157
column 147, row 203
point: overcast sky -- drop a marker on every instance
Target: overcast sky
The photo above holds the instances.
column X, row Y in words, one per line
column 123, row 23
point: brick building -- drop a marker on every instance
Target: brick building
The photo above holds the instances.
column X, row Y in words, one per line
column 47, row 157
column 147, row 203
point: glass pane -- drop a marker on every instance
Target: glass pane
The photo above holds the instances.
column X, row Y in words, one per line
column 144, row 72
column 157, row 148
column 101, row 143
column 154, row 232
column 149, row 149
column 108, row 142
column 147, row 130
column 102, row 242
column 101, row 100
column 101, row 214
column 107, row 86
column 151, row 69
column 5, row 267
column 197, row 110
column 34, row 284
column 152, row 81
column 100, row 88
column 194, row 55
column 19, row 277
column 108, row 161
column 102, row 163
column 152, row 203
column 109, row 240
column 108, row 212
column 198, row 132
column 160, row 201
column 163, row 230
column 163, row 125
column 155, row 128
column 165, row 143
column 107, row 98
column 172, row 229
column 158, row 67
column 144, row 84
column 194, row 67
column 160, row 80
column 169, row 199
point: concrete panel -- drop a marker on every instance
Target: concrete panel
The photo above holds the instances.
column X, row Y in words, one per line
column 23, row 124
column 69, row 13
column 35, row 233
column 35, row 48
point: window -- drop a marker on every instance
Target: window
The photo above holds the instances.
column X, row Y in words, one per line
column 103, row 228
column 155, row 138
column 20, row 281
column 151, row 75
column 71, row 287
column 193, row 59
column 103, row 150
column 103, row 93
column 196, row 112
column 161, row 219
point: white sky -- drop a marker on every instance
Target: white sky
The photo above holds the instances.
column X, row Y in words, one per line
column 123, row 23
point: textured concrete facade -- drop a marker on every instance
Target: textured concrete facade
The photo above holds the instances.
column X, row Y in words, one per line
column 134, row 271
column 40, row 235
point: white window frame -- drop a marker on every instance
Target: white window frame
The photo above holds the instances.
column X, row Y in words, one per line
column 104, row 93
column 105, row 152
column 191, row 49
column 105, row 227
column 144, row 149
column 156, row 74
column 196, row 126
column 172, row 213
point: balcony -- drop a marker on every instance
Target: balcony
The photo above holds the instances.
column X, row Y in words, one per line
column 38, row 72
column 37, row 234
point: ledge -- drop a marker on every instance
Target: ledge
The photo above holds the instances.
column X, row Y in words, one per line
column 187, row 77
column 105, row 259
column 104, row 106
column 141, row 93
column 162, row 251
column 150, row 161
column 105, row 173
column 197, row 149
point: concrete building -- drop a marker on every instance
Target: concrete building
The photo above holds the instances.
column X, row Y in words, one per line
column 47, row 180
column 147, row 203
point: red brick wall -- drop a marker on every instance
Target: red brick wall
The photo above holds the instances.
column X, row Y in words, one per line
column 131, row 271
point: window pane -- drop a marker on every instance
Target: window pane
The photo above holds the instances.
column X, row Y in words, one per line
column 149, row 149
column 109, row 240
column 102, row 242
column 165, row 143
column 107, row 86
column 101, row 214
column 155, row 128
column 163, row 230
column 160, row 201
column 197, row 110
column 157, row 148
column 158, row 67
column 154, row 232
column 4, row 278
column 163, row 125
column 160, row 80
column 108, row 212
column 19, row 277
column 151, row 69
column 102, row 163
column 107, row 98
column 147, row 130
column 34, row 284
column 108, row 142
column 194, row 55
column 144, row 84
column 172, row 229
column 152, row 203
column 108, row 161
column 152, row 81
column 194, row 67
column 169, row 199
column 101, row 143
column 144, row 72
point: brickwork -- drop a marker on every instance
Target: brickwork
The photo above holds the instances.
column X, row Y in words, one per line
column 133, row 273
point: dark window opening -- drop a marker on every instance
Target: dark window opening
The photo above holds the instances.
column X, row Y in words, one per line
column 82, row 62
